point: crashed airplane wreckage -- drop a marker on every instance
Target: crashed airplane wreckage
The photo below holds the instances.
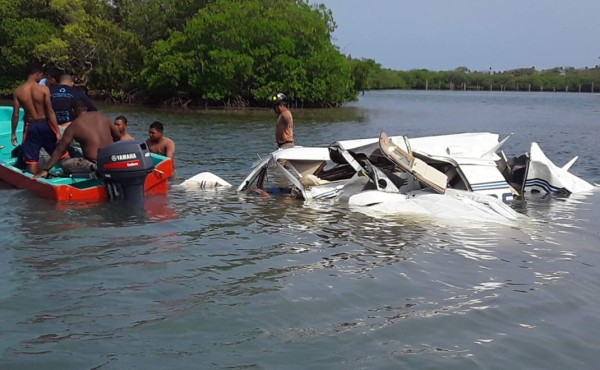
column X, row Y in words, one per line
column 458, row 176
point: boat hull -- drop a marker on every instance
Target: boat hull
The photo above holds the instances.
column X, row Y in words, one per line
column 79, row 190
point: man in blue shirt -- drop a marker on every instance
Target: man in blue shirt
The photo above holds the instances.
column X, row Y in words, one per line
column 63, row 97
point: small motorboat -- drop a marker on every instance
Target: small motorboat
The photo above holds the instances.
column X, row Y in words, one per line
column 122, row 168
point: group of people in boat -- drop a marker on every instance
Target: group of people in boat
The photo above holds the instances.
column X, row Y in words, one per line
column 57, row 113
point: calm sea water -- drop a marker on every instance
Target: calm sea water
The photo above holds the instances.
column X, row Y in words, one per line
column 217, row 280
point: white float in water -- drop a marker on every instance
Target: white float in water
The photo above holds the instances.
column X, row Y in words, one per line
column 204, row 180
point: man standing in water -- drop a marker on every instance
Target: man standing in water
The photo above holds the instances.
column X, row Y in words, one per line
column 158, row 143
column 284, row 128
column 41, row 128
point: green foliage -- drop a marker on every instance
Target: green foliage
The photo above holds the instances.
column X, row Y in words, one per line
column 19, row 36
column 389, row 79
column 91, row 47
column 153, row 20
column 241, row 52
column 363, row 72
column 523, row 79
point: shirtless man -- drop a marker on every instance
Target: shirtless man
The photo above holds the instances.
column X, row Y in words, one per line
column 93, row 130
column 121, row 123
column 41, row 129
column 158, row 143
column 284, row 127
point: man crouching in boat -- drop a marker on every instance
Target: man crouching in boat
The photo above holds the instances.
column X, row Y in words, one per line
column 41, row 128
column 94, row 131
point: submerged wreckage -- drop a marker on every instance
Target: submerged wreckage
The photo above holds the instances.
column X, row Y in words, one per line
column 459, row 176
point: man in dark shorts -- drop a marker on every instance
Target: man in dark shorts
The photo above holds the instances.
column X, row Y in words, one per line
column 63, row 97
column 94, row 131
column 41, row 129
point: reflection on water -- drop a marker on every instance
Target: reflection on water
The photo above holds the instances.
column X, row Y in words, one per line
column 215, row 279
column 300, row 275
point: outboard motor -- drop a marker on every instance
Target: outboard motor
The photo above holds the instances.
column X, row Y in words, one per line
column 124, row 166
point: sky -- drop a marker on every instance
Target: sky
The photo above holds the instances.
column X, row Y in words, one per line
column 441, row 35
